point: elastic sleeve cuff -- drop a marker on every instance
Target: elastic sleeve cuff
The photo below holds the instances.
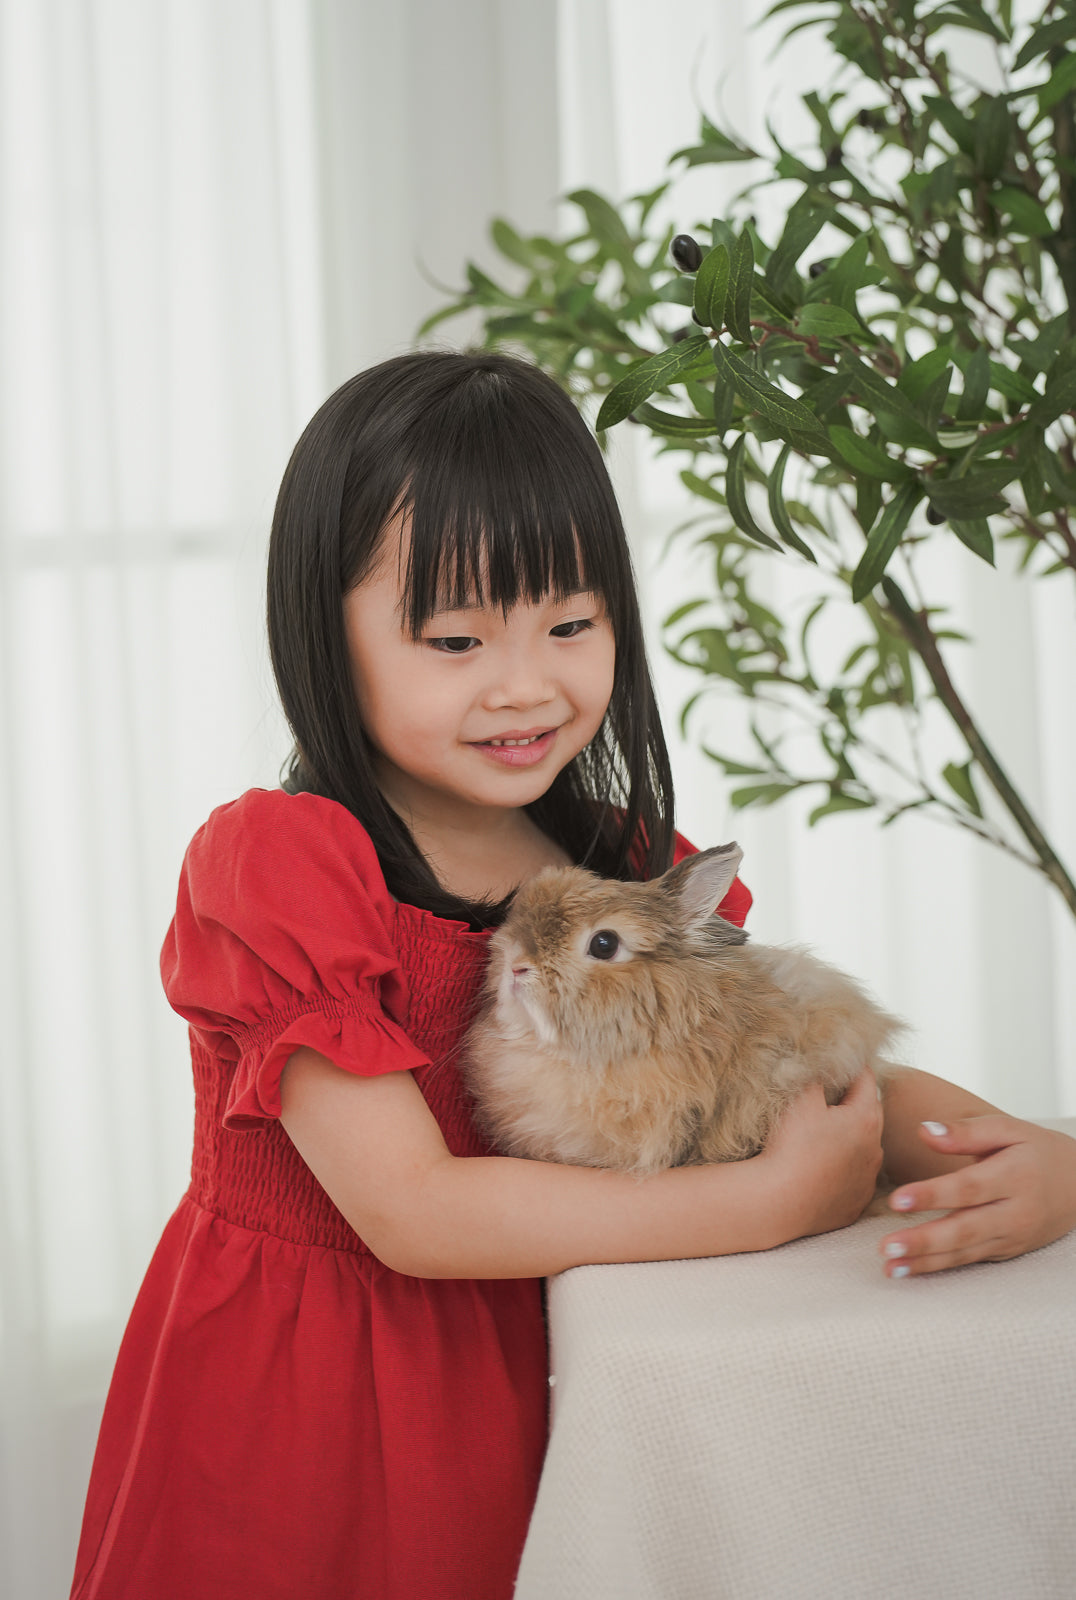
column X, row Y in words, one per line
column 364, row 1042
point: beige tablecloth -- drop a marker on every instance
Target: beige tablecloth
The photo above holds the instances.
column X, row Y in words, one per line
column 793, row 1425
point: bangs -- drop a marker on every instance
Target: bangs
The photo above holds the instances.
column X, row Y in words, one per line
column 504, row 508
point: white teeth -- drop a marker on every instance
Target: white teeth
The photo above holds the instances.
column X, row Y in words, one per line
column 511, row 743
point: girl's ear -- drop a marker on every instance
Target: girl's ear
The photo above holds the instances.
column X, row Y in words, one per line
column 702, row 881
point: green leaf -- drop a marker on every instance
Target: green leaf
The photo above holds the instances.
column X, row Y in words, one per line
column 826, row 322
column 510, row 244
column 788, row 416
column 868, row 500
column 977, row 536
column 714, row 147
column 703, row 487
column 976, row 495
column 825, row 391
column 682, row 611
column 961, row 129
column 884, row 538
column 918, row 376
column 1040, row 352
column 863, row 455
column 673, row 426
column 442, row 314
column 1059, row 83
column 486, row 292
column 976, row 386
column 711, row 288
column 838, row 802
column 875, row 393
column 741, row 279
column 993, row 136
column 646, row 376
column 838, row 285
column 605, row 222
column 736, row 492
column 1061, row 31
column 1013, row 385
column 959, row 780
column 1059, row 397
column 760, row 794
column 1026, row 212
column 766, row 303
column 804, row 223
column 779, row 511
column 969, row 14
column 724, row 405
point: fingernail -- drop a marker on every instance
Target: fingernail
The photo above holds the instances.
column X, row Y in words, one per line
column 903, row 1202
column 900, row 1272
column 893, row 1250
column 937, row 1130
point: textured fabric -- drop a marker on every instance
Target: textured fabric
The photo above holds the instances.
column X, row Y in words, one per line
column 795, row 1426
column 288, row 1416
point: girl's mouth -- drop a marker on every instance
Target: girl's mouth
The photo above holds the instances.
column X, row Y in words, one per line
column 520, row 752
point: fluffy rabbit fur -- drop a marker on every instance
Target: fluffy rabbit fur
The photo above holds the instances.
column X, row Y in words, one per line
column 627, row 1025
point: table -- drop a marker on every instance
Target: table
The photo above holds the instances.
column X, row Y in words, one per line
column 793, row 1424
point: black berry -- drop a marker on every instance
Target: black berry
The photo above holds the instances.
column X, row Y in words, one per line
column 686, row 252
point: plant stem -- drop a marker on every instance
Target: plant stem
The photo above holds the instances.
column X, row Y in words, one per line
column 1063, row 245
column 915, row 626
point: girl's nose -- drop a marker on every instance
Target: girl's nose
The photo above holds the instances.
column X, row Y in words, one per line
column 519, row 683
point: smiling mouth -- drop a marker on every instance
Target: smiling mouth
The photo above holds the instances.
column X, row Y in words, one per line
column 521, row 749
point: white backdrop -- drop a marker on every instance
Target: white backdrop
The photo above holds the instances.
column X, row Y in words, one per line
column 211, row 214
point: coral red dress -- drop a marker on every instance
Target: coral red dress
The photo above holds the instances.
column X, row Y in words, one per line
column 288, row 1417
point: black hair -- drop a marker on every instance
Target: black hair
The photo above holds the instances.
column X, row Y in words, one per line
column 508, row 499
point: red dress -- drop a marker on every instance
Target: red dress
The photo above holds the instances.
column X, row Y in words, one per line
column 288, row 1417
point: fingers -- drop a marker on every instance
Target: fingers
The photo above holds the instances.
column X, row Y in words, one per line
column 973, row 1135
column 988, row 1218
column 973, row 1185
column 958, row 1240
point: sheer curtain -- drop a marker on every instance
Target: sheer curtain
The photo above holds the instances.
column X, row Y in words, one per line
column 163, row 342
column 210, row 215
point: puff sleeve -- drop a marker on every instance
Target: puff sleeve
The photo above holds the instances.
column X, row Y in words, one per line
column 736, row 904
column 282, row 938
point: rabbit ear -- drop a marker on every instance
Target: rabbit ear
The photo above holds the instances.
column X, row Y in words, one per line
column 703, row 880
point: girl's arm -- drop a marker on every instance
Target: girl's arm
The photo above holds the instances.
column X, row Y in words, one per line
column 375, row 1147
column 1007, row 1186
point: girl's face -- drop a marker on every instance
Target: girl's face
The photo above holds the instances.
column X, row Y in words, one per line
column 482, row 710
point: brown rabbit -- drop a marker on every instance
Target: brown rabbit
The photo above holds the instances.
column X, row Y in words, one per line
column 628, row 1025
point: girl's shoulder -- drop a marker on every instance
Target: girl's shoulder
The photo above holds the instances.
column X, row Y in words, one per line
column 284, row 934
column 278, row 886
column 269, row 846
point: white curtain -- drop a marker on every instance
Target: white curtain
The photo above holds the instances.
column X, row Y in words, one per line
column 209, row 215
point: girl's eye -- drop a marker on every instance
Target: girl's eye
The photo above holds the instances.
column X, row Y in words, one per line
column 604, row 945
column 570, row 630
column 454, row 645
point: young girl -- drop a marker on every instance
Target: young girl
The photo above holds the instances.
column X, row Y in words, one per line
column 334, row 1379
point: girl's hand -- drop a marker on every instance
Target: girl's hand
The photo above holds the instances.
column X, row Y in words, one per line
column 826, row 1158
column 1018, row 1193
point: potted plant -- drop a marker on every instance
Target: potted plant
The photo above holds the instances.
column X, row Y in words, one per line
column 892, row 365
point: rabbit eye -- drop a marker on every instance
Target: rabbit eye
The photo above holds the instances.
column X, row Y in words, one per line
column 604, row 945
